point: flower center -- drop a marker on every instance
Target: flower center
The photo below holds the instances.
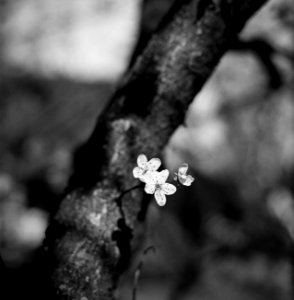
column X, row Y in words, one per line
column 157, row 186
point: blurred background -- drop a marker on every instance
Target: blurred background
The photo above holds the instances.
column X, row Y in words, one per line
column 230, row 235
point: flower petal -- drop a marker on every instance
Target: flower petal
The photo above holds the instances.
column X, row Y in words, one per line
column 168, row 188
column 183, row 169
column 142, row 178
column 137, row 172
column 142, row 161
column 188, row 181
column 149, row 188
column 160, row 197
column 153, row 164
column 162, row 176
column 176, row 177
column 182, row 179
column 150, row 177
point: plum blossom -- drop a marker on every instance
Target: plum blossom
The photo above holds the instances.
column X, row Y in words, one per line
column 156, row 184
column 155, row 181
column 182, row 176
column 145, row 166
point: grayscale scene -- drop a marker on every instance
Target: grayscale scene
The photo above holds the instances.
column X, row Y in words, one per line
column 147, row 150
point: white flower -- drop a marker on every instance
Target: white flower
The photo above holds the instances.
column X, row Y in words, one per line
column 182, row 176
column 156, row 184
column 145, row 166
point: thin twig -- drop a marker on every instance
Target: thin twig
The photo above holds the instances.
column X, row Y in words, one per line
column 118, row 200
column 137, row 272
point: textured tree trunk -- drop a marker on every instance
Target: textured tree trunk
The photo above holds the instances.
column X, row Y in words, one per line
column 90, row 238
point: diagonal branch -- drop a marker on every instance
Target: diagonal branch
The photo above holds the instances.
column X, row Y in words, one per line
column 89, row 240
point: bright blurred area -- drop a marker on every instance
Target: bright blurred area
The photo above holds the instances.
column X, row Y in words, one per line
column 60, row 61
column 230, row 235
column 87, row 40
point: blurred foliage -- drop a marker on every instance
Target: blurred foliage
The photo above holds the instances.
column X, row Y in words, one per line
column 88, row 39
column 230, row 236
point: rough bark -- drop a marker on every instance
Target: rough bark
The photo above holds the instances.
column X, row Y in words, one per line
column 90, row 238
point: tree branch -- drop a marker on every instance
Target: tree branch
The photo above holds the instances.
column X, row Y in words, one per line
column 89, row 239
